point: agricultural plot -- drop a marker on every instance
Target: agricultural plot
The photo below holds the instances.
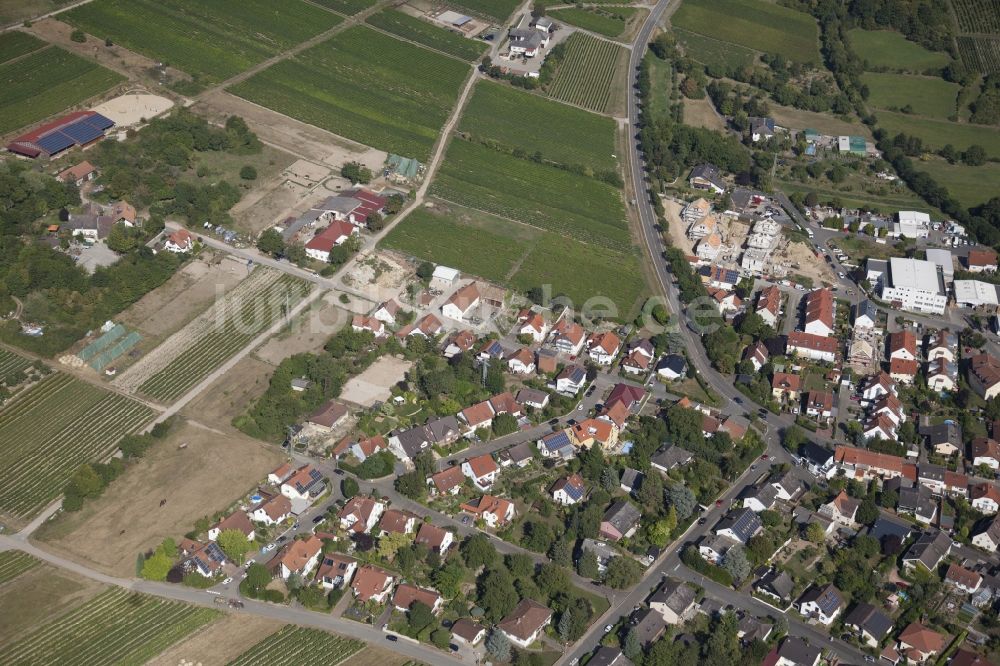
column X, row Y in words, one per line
column 717, row 55
column 11, row 362
column 422, row 32
column 979, row 16
column 587, row 73
column 398, row 104
column 53, row 428
column 115, row 627
column 211, row 40
column 936, row 133
column 13, row 563
column 755, row 24
column 347, row 7
column 299, row 646
column 532, row 123
column 925, row 95
column 611, row 22
column 45, row 82
column 499, row 10
column 980, row 53
column 192, row 353
column 888, row 48
column 970, row 185
column 15, row 44
column 536, row 194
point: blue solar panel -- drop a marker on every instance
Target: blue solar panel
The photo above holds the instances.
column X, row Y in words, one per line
column 54, row 142
column 82, row 133
column 99, row 121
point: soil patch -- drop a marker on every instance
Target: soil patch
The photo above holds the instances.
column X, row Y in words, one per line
column 231, row 394
column 308, row 332
column 374, row 384
column 700, row 113
column 218, row 643
column 677, row 228
column 207, row 475
column 373, row 656
column 133, row 108
column 37, row 596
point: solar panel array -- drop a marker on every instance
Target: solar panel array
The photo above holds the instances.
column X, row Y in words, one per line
column 82, row 131
column 55, row 142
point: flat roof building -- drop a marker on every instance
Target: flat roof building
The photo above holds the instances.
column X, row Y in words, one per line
column 915, row 285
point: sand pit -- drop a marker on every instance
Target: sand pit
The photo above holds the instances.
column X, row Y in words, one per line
column 133, row 108
column 374, row 384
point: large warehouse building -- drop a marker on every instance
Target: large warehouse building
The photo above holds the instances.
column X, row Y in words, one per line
column 915, row 285
column 80, row 128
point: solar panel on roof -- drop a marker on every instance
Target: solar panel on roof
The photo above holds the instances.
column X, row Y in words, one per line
column 99, row 121
column 83, row 133
column 54, row 142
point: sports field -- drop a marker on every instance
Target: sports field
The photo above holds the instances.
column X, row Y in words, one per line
column 519, row 255
column 612, row 22
column 937, row 133
column 116, row 627
column 15, row 44
column 719, row 55
column 46, row 82
column 428, row 34
column 926, row 95
column 970, row 185
column 756, row 24
column 532, row 123
column 211, row 40
column 366, row 86
column 536, row 194
column 53, row 428
column 298, row 646
column 888, row 48
column 588, row 73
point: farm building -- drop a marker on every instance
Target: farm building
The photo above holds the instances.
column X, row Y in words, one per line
column 854, row 145
column 80, row 128
column 403, row 170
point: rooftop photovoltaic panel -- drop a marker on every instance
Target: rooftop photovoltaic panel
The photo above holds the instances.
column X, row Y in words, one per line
column 83, row 133
column 99, row 121
column 55, row 142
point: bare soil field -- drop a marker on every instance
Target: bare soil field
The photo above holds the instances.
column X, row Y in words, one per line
column 231, row 394
column 808, row 264
column 288, row 134
column 700, row 113
column 219, row 642
column 373, row 384
column 308, row 332
column 133, row 108
column 268, row 205
column 38, row 595
column 206, row 476
column 375, row 656
column 676, row 226
column 381, row 275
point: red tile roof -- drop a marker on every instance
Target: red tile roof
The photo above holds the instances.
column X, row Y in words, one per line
column 820, row 343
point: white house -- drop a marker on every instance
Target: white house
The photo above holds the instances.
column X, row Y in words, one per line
column 603, row 347
column 179, row 241
column 302, row 483
column 568, row 490
column 360, row 514
column 823, row 604
column 272, row 511
column 462, row 302
column 483, row 471
column 300, row 557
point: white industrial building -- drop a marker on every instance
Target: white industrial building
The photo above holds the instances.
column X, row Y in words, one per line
column 915, row 285
column 911, row 224
column 943, row 259
column 975, row 293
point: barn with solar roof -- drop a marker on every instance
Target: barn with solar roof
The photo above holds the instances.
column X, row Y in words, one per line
column 80, row 128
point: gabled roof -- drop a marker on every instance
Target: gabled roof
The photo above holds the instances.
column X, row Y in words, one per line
column 465, row 297
column 870, row 619
column 959, row 575
column 921, row 638
column 431, row 536
column 238, row 520
column 675, row 595
column 778, row 582
column 626, row 393
column 769, row 299
column 743, row 523
column 525, row 619
column 395, row 520
column 820, row 343
column 466, row 629
column 986, row 369
column 828, row 598
column 329, row 414
column 406, row 595
column 369, row 580
column 304, row 479
column 929, row 549
column 447, row 479
column 334, row 564
column 903, row 341
column 786, row 382
column 504, row 403
column 572, row 485
column 982, row 257
column 606, row 342
column 819, row 307
column 478, row 413
column 277, row 507
column 622, row 516
column 298, row 553
column 985, row 447
column 361, row 508
column 482, row 465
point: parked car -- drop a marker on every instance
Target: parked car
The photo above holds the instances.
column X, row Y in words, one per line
column 318, row 519
column 228, row 580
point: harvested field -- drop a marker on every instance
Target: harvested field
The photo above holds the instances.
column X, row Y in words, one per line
column 825, row 123
column 38, row 595
column 197, row 480
column 308, row 332
column 925, row 95
column 50, row 430
column 231, row 394
column 888, row 48
column 301, row 647
column 190, row 354
column 374, row 384
column 376, row 656
column 218, row 643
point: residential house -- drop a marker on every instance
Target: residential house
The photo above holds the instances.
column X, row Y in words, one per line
column 524, row 624
column 362, row 323
column 595, row 431
column 631, row 396
column 436, row 539
column 521, row 362
column 547, row 361
column 406, row 595
column 761, row 129
column 707, row 177
column 533, row 398
column 305, row 483
column 776, row 584
column 813, row 347
column 631, row 480
column 902, row 370
column 330, row 415
column 863, row 464
column 525, row 42
column 386, row 311
column 337, row 233
column 648, row 626
column 557, row 444
column 788, row 486
column 878, row 386
column 705, row 226
column 695, row 210
column 81, row 173
column 367, row 447
column 985, row 498
column 494, row 511
column 869, row 623
column 918, row 643
column 927, row 551
column 984, row 376
column 638, row 357
column 570, row 380
column 758, row 498
column 427, row 326
column 672, row 367
column 945, row 439
column 793, row 651
column 372, row 584
column 819, row 313
column 459, row 342
column 568, row 490
column 713, row 547
column 757, row 354
column 568, row 337
column 335, row 571
column 942, row 344
column 668, row 458
column 841, row 509
column 179, row 241
column 446, row 482
column 785, row 387
column 602, row 551
column 461, row 303
column 902, row 345
column 823, row 604
column 917, row 500
column 205, row 558
column 533, row 325
column 396, row 521
column 932, row 477
column 819, row 405
column 603, row 347
column 981, row 260
column 879, row 426
column 816, row 458
column 865, row 315
column 483, row 471
column 740, row 525
column 963, row 579
column 965, row 658
column 237, row 520
column 300, row 557
column 407, row 444
column 891, row 407
column 989, row 538
column 942, row 375
column 769, row 305
column 465, row 631
column 272, row 511
column 674, row 601
column 360, row 514
column 709, row 247
column 620, row 521
column 985, row 451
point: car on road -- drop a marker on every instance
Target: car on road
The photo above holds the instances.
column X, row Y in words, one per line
column 738, row 400
column 608, row 628
column 841, row 276
column 228, row 580
column 268, row 548
column 762, row 412
column 753, row 467
column 554, row 422
column 579, row 407
column 318, row 519
column 870, row 659
column 392, row 638
column 957, row 544
column 283, row 538
column 718, row 502
column 764, row 456
column 702, row 521
column 338, row 472
column 465, row 520
column 296, row 525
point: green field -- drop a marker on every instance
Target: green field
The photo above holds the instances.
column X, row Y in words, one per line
column 499, row 10
column 980, row 16
column 755, row 24
column 15, row 44
column 980, row 53
column 611, row 22
column 422, row 32
column 587, row 75
column 11, row 362
column 301, row 647
column 53, row 428
column 43, row 83
column 537, row 194
column 211, row 40
column 887, row 204
column 13, row 563
column 970, row 185
column 720, row 56
column 661, row 85
column 532, row 123
column 347, row 7
column 116, row 627
column 365, row 86
column 518, row 255
column 926, row 95
column 937, row 133
column 887, row 48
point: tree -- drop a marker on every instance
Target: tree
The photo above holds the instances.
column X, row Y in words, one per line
column 425, row 270
column 441, row 638
column 271, row 242
column 477, row 551
column 552, row 579
column 121, row 239
column 494, row 379
column 258, row 577
column 497, row 595
column 390, row 544
column 537, row 536
column 375, row 221
column 974, row 155
column 157, row 566
column 503, row 424
column 566, row 625
column 867, row 512
column 248, row 172
column 658, row 531
column 587, row 565
column 349, row 487
column 682, row 499
column 234, row 544
column 356, row 173
column 448, row 578
column 78, row 36
column 814, row 533
column 498, row 645
column 609, row 479
column 411, row 485
column 622, row 572
column 651, row 491
column 520, row 565
column 633, row 646
column 736, row 564
column 419, row 616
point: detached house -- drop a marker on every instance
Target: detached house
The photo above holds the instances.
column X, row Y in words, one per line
column 928, row 551
column 776, row 584
column 769, row 305
column 179, row 241
column 902, row 345
column 819, row 313
column 532, row 324
column 989, row 538
column 785, row 387
column 985, row 451
column 272, row 511
column 448, row 481
column 819, row 405
column 841, row 509
column 372, row 584
column 300, row 557
column 963, row 579
column 603, row 347
column 568, row 337
column 707, row 177
column 823, row 604
column 570, row 380
column 674, row 601
column 869, row 623
column 813, row 347
column 386, row 311
column 335, row 571
column 984, row 376
column 740, row 525
column 620, row 521
column 638, row 357
column 985, row 498
column 461, row 304
column 395, row 521
column 525, row 623
column 360, row 514
column 483, row 471
column 494, row 511
column 305, row 484
column 521, row 362
column 568, row 490
column 757, row 354
column 238, row 520
column 362, row 323
column 918, row 643
column 406, row 595
column 436, row 539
